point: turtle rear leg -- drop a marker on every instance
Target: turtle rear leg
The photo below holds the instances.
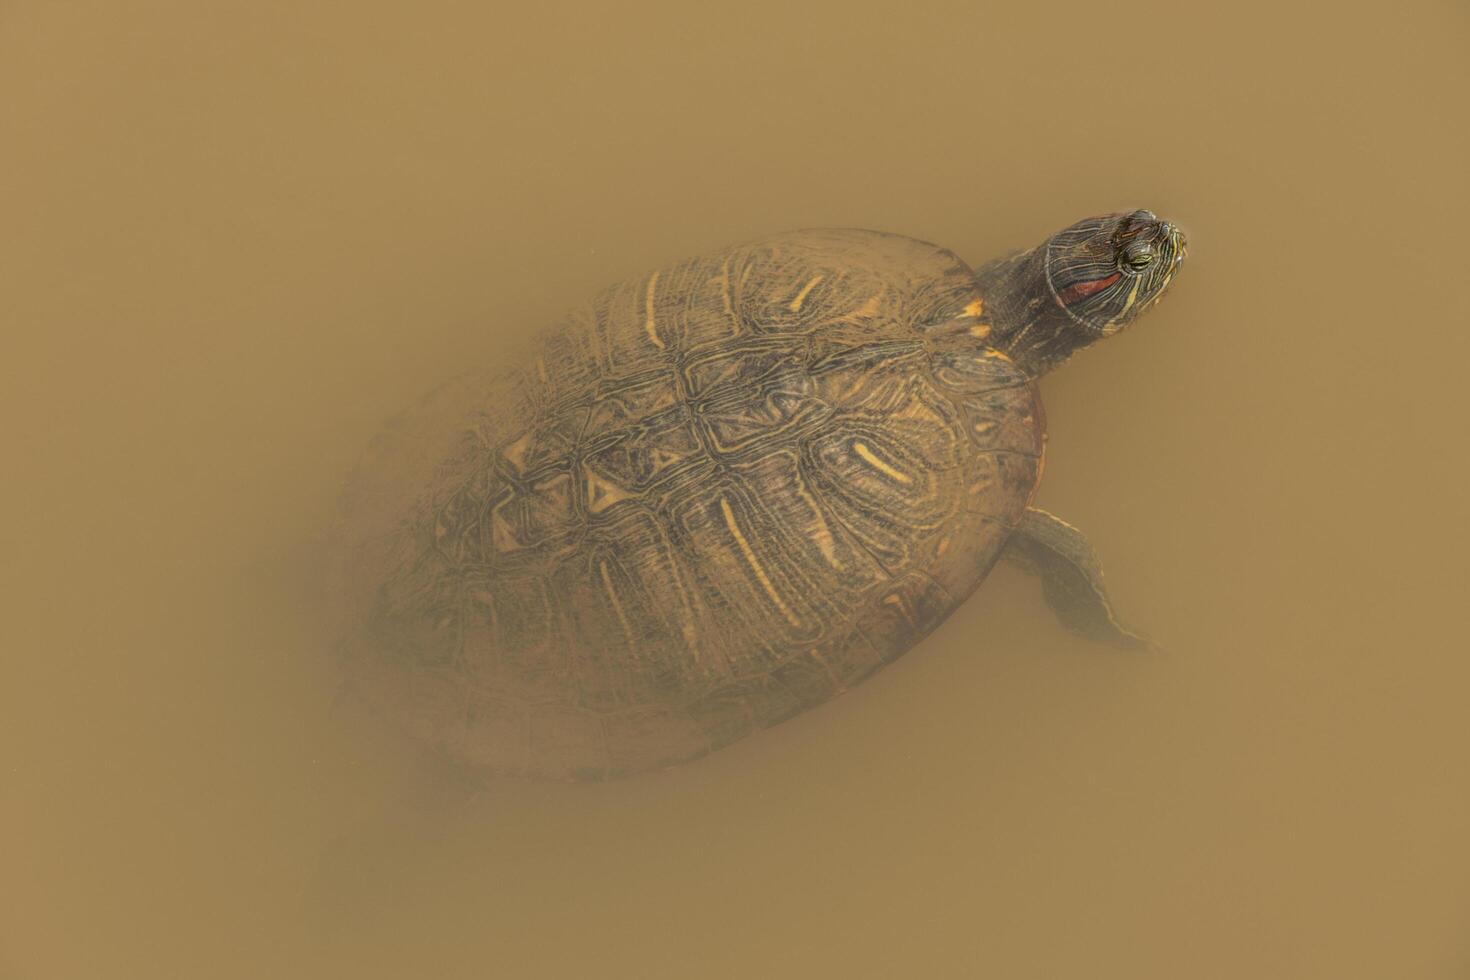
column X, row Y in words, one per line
column 1071, row 577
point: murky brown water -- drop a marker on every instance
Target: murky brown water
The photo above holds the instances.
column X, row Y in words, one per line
column 237, row 236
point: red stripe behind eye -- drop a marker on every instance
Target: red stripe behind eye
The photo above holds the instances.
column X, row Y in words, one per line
column 1082, row 290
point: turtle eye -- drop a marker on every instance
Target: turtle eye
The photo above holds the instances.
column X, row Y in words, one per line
column 1137, row 256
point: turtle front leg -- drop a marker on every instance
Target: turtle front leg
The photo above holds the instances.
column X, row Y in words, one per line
column 1071, row 577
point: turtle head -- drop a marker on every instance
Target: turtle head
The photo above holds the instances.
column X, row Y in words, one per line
column 1104, row 272
column 1084, row 283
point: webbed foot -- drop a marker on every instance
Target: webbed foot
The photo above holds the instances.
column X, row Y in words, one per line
column 1071, row 578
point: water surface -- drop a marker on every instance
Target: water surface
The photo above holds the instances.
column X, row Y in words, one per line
column 238, row 236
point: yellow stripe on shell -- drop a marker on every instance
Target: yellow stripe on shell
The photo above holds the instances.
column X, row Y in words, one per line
column 612, row 595
column 648, row 321
column 754, row 563
column 880, row 465
column 795, row 304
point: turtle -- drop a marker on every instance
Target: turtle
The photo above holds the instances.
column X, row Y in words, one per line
column 724, row 492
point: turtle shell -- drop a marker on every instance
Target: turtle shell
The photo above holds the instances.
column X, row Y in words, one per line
column 710, row 499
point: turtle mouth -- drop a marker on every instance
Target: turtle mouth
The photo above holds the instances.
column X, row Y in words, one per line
column 1173, row 241
column 1174, row 246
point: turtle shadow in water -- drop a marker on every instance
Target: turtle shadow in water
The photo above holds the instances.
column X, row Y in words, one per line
column 385, row 800
column 371, row 869
column 412, row 822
